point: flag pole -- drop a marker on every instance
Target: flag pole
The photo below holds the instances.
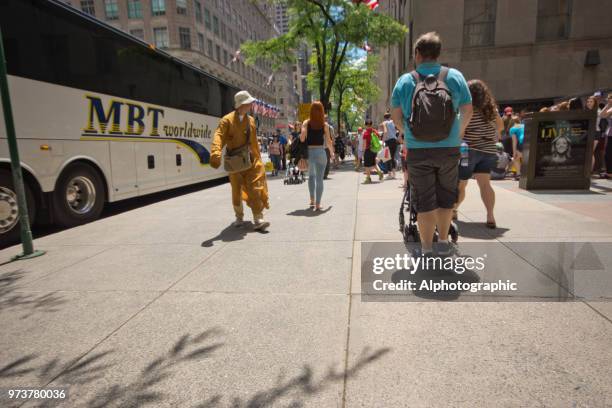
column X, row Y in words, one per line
column 26, row 233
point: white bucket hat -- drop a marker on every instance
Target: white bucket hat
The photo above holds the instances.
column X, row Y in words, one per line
column 242, row 98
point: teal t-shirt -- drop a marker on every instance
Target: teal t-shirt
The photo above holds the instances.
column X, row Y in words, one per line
column 519, row 132
column 402, row 97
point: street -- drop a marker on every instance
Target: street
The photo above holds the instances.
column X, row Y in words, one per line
column 168, row 305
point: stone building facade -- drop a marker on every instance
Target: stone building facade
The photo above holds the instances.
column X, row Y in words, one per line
column 530, row 52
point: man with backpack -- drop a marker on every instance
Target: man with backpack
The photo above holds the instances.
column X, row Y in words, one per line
column 432, row 106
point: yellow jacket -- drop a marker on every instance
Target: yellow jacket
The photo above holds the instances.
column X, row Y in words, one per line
column 232, row 133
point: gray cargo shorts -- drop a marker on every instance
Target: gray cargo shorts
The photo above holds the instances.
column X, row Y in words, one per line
column 434, row 177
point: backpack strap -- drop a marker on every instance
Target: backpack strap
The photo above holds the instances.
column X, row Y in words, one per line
column 443, row 74
column 416, row 76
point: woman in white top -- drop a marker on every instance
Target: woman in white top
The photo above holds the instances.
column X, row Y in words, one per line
column 390, row 139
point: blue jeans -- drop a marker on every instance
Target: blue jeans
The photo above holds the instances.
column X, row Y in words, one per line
column 478, row 162
column 275, row 158
column 317, row 160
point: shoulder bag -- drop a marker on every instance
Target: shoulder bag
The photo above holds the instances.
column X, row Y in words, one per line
column 239, row 159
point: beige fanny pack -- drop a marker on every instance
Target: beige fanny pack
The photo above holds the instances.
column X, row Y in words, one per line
column 238, row 159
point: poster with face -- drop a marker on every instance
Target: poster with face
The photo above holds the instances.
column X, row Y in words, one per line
column 561, row 149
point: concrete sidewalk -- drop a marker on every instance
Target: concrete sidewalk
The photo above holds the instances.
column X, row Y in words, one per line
column 167, row 305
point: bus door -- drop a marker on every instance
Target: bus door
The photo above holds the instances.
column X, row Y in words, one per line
column 150, row 166
column 123, row 165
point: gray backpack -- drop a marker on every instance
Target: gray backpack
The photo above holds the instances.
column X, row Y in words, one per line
column 433, row 113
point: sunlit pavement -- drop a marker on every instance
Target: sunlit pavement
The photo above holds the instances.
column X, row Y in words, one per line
column 168, row 305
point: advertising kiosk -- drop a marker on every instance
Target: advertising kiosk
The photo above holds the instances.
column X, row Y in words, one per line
column 558, row 150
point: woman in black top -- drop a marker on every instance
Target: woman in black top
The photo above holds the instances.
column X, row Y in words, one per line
column 315, row 132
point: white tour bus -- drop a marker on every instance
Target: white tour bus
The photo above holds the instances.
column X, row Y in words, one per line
column 100, row 116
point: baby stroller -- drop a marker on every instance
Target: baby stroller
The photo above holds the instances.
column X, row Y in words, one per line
column 293, row 175
column 410, row 230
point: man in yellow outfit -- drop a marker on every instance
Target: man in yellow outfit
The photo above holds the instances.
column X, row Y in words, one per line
column 248, row 185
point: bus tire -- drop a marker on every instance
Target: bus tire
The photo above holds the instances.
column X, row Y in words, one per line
column 10, row 227
column 79, row 195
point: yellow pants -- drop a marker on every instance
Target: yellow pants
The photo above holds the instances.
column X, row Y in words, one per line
column 250, row 186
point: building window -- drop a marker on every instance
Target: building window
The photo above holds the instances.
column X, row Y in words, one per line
column 218, row 53
column 210, row 48
column 225, row 60
column 479, row 23
column 201, row 42
column 88, row 7
column 134, row 9
column 554, row 18
column 138, row 33
column 112, row 9
column 185, row 38
column 181, row 7
column 158, row 7
column 216, row 25
column 207, row 18
column 160, row 37
column 198, row 11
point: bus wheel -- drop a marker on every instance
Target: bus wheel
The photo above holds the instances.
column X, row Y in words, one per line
column 10, row 230
column 79, row 195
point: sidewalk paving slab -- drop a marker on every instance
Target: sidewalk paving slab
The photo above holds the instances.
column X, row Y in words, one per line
column 274, row 267
column 183, row 310
column 239, row 350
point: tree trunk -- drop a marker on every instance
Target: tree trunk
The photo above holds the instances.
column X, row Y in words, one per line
column 338, row 112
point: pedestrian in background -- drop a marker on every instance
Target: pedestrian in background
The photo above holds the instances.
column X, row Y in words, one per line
column 506, row 139
column 481, row 138
column 237, row 131
column 358, row 149
column 283, row 143
column 275, row 155
column 591, row 105
column 390, row 139
column 606, row 113
column 295, row 133
column 369, row 156
column 332, row 134
column 517, row 133
column 316, row 134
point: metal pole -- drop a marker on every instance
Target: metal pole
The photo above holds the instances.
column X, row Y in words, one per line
column 26, row 233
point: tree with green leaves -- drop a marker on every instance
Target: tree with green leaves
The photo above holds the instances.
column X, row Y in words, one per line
column 330, row 28
column 354, row 89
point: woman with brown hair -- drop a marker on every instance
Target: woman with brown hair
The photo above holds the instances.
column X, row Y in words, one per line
column 315, row 133
column 481, row 136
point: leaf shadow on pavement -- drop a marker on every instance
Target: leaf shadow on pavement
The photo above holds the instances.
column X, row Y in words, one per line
column 95, row 366
column 26, row 303
column 307, row 212
column 294, row 391
column 146, row 389
column 478, row 230
column 231, row 234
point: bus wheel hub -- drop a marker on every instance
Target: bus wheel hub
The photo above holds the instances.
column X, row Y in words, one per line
column 9, row 210
column 81, row 194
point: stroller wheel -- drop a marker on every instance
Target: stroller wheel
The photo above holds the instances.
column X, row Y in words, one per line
column 411, row 233
column 454, row 232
